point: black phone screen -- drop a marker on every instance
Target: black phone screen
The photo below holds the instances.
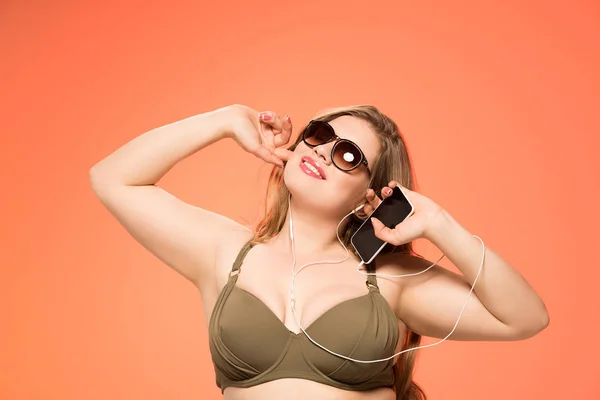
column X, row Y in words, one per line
column 390, row 212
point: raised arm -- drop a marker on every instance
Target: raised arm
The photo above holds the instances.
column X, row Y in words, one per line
column 183, row 236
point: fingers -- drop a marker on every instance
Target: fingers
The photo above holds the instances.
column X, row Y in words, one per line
column 384, row 233
column 272, row 120
column 280, row 130
column 373, row 200
column 286, row 132
column 267, row 119
column 274, row 132
column 386, row 192
column 283, row 154
column 267, row 155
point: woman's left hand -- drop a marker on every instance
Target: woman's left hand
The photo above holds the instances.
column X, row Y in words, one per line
column 416, row 226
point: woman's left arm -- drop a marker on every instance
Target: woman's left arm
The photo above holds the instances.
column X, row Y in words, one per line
column 503, row 306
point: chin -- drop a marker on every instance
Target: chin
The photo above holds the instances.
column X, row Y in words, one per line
column 311, row 192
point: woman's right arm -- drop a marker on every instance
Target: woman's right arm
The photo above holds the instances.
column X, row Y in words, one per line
column 181, row 235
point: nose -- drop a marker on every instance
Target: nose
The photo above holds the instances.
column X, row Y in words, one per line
column 323, row 152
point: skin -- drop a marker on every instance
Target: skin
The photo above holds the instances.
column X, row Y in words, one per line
column 315, row 222
column 202, row 246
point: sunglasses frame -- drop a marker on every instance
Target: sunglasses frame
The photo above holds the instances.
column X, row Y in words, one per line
column 338, row 140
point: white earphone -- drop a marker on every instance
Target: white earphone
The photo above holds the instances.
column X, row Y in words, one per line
column 294, row 273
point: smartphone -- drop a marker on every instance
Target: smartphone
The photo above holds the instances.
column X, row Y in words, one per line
column 391, row 211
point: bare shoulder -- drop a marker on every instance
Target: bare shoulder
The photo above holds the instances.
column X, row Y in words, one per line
column 398, row 272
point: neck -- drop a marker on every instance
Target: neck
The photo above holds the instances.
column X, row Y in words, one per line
column 313, row 233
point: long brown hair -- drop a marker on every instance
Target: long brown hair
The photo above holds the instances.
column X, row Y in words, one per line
column 393, row 163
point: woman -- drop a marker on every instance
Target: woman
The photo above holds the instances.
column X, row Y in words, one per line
column 259, row 334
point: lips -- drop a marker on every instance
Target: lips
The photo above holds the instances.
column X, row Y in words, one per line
column 314, row 164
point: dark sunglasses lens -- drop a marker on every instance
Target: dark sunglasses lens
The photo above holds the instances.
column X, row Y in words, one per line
column 346, row 156
column 317, row 133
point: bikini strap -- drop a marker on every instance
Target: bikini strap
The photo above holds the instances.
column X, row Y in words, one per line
column 236, row 269
column 371, row 279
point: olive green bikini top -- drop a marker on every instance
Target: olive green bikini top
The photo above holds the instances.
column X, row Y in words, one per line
column 250, row 345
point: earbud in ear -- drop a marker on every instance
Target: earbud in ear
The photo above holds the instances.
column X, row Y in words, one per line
column 357, row 209
column 360, row 213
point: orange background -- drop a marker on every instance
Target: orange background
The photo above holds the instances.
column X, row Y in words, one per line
column 498, row 103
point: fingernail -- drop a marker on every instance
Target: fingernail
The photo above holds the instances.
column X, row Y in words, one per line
column 266, row 117
column 387, row 191
column 288, row 119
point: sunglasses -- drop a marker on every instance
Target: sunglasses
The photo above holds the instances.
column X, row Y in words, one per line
column 345, row 154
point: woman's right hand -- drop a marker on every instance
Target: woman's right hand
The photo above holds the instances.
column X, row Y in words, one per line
column 258, row 133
